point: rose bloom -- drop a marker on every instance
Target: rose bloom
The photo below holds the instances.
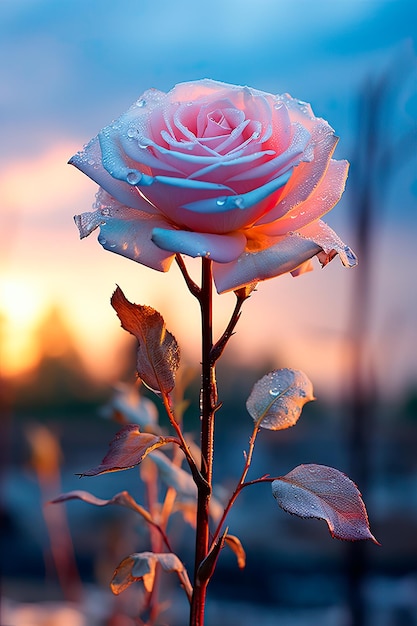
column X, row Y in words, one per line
column 220, row 171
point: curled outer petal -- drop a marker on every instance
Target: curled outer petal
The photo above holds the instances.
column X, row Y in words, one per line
column 126, row 231
column 290, row 253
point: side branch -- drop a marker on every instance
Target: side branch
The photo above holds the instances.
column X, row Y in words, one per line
column 192, row 286
column 220, row 345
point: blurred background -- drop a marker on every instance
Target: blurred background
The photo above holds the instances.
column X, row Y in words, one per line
column 67, row 69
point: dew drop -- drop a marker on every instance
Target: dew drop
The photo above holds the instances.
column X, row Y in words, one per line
column 239, row 202
column 105, row 211
column 274, row 391
column 91, row 162
column 256, row 134
column 220, row 201
column 112, row 245
column 132, row 132
column 141, row 103
column 133, row 178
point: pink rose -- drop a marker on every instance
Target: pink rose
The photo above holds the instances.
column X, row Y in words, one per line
column 211, row 169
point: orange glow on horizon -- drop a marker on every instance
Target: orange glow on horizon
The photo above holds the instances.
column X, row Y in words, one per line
column 21, row 309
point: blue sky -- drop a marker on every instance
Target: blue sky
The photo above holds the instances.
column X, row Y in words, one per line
column 70, row 66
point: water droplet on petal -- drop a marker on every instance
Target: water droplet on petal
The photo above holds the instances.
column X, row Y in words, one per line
column 239, row 202
column 132, row 132
column 112, row 245
column 220, row 201
column 141, row 103
column 274, row 391
column 256, row 134
column 133, row 177
column 105, row 211
column 91, row 162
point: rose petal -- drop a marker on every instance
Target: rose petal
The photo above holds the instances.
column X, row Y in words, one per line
column 173, row 196
column 231, row 212
column 227, row 170
column 306, row 175
column 321, row 234
column 279, row 164
column 89, row 162
column 323, row 198
column 127, row 232
column 220, row 248
column 285, row 256
column 281, row 128
column 299, row 111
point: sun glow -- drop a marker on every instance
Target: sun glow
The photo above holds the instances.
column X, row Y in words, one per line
column 21, row 309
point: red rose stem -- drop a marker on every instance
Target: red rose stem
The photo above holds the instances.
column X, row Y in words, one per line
column 208, row 402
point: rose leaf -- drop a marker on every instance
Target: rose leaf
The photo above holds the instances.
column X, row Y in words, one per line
column 277, row 399
column 235, row 545
column 128, row 448
column 142, row 566
column 175, row 477
column 158, row 354
column 122, row 499
column 324, row 493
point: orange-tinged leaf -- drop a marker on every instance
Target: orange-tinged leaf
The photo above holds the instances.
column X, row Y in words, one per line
column 158, row 354
column 128, row 448
column 277, row 399
column 235, row 545
column 324, row 493
column 122, row 499
column 142, row 566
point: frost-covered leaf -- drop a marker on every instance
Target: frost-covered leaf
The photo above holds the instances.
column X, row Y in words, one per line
column 128, row 448
column 183, row 483
column 122, row 499
column 142, row 566
column 276, row 399
column 128, row 406
column 174, row 476
column 324, row 493
column 158, row 354
column 235, row 545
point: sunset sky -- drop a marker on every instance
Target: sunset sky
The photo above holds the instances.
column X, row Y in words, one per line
column 70, row 66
